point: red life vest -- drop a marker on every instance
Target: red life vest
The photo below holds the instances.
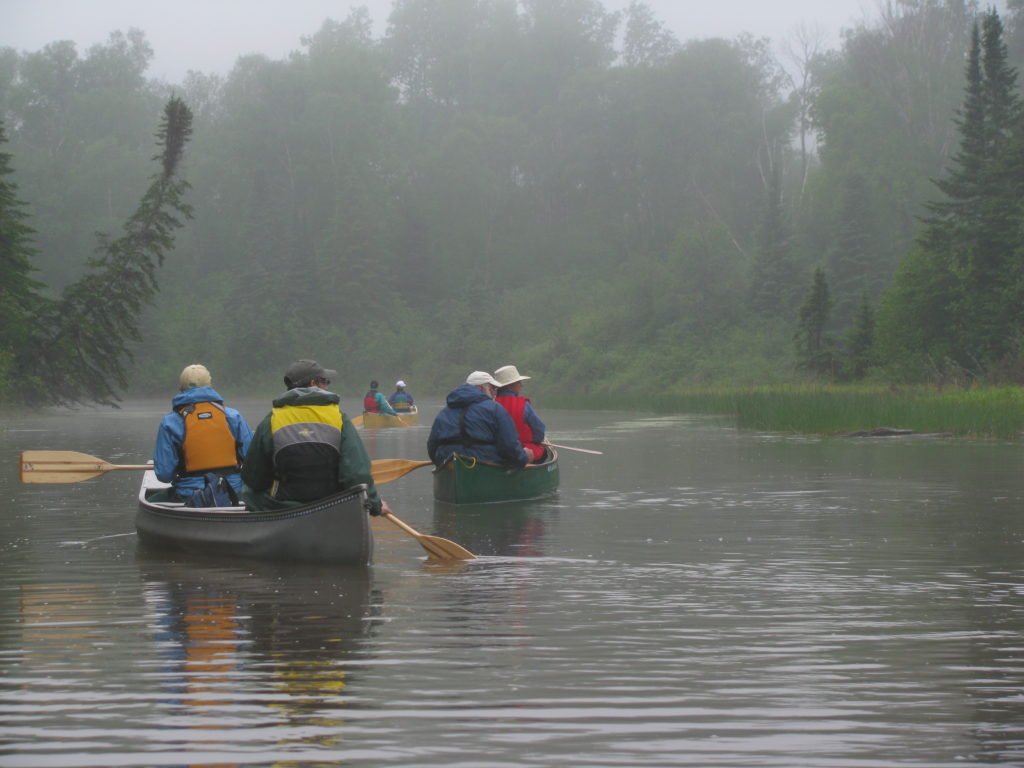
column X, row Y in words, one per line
column 370, row 402
column 516, row 406
column 208, row 442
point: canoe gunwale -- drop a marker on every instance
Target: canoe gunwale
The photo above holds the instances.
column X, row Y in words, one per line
column 241, row 514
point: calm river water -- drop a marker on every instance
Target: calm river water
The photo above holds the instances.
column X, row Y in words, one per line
column 695, row 596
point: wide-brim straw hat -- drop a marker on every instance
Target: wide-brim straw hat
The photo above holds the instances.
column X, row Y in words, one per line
column 508, row 374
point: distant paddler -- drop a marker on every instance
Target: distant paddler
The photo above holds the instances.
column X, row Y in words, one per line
column 400, row 399
column 375, row 402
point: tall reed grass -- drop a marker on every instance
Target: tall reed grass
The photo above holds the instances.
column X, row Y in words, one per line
column 825, row 409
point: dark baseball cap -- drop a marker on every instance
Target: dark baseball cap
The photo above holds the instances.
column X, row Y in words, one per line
column 303, row 371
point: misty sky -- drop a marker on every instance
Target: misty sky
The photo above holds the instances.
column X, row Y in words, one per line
column 208, row 35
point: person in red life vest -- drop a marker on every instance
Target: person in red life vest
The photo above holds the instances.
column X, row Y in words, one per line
column 199, row 435
column 529, row 427
column 375, row 402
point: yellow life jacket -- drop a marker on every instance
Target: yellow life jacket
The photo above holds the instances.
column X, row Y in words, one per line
column 208, row 443
column 307, row 449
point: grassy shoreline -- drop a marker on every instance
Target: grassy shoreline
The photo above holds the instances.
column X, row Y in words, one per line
column 995, row 413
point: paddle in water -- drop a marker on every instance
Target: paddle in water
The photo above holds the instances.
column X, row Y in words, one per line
column 436, row 547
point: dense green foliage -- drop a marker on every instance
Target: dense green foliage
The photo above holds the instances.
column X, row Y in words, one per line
column 848, row 409
column 958, row 298
column 558, row 186
column 19, row 290
column 74, row 349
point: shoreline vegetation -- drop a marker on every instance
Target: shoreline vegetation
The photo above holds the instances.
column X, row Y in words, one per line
column 980, row 412
column 992, row 413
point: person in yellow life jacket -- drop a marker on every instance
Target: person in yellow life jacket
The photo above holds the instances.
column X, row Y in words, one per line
column 306, row 448
column 198, row 436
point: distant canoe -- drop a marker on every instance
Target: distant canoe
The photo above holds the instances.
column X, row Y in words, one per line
column 468, row 481
column 384, row 420
column 335, row 529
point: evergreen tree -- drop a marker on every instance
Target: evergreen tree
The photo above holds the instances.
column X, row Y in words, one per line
column 18, row 289
column 85, row 335
column 772, row 279
column 813, row 347
column 850, row 263
column 976, row 229
column 861, row 341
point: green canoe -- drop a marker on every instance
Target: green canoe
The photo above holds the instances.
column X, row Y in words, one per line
column 468, row 481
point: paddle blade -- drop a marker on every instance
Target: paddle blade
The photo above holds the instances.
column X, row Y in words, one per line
column 436, row 548
column 65, row 467
column 443, row 550
column 386, row 470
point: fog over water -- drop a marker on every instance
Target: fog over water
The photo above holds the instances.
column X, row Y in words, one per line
column 210, row 36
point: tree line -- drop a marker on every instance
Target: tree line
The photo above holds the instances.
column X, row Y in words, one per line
column 546, row 183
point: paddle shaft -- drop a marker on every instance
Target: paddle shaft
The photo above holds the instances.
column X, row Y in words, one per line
column 570, row 448
column 386, row 470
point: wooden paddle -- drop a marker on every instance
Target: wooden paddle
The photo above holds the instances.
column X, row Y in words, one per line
column 386, row 470
column 570, row 448
column 356, row 421
column 436, row 547
column 66, row 466
column 73, row 467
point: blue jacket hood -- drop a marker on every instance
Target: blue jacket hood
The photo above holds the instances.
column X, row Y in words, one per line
column 196, row 395
column 464, row 396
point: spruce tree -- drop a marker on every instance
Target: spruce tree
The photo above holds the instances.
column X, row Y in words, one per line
column 772, row 279
column 861, row 341
column 78, row 346
column 850, row 263
column 19, row 291
column 975, row 230
column 813, row 347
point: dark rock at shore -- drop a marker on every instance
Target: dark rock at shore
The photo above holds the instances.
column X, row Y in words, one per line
column 891, row 432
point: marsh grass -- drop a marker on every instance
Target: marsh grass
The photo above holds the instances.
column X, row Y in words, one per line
column 986, row 413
